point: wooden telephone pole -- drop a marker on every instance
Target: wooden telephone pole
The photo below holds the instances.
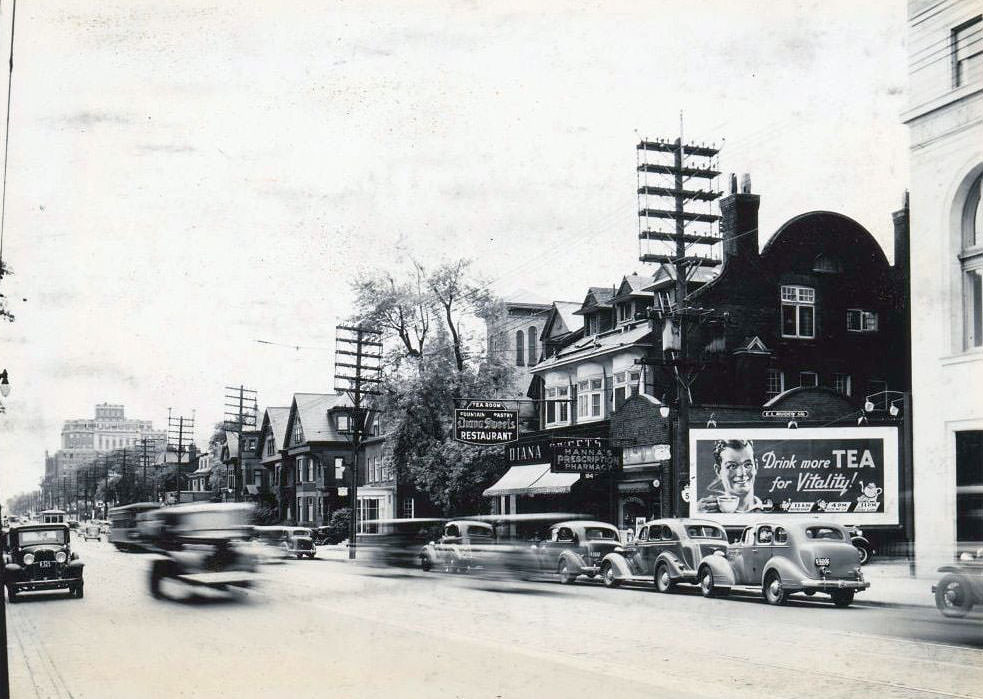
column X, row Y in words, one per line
column 182, row 429
column 240, row 414
column 358, row 372
column 675, row 164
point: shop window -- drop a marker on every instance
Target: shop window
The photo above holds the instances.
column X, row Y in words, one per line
column 969, row 487
column 798, row 312
column 967, row 52
column 860, row 321
column 971, row 267
column 775, row 382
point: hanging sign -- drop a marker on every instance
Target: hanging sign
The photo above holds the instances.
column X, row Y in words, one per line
column 486, row 423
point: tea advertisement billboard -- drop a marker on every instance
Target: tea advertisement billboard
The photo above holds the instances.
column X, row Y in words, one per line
column 742, row 475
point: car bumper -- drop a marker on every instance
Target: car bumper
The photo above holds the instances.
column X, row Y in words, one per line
column 32, row 585
column 828, row 585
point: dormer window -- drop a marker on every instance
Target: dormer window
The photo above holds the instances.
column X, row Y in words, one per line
column 344, row 424
column 593, row 324
column 298, row 433
column 625, row 312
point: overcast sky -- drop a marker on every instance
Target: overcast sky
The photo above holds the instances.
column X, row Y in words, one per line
column 186, row 178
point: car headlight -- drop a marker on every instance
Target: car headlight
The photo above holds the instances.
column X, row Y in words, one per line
column 61, row 557
column 28, row 559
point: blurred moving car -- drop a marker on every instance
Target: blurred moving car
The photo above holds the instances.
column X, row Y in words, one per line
column 290, row 541
column 40, row 557
column 199, row 545
column 961, row 588
column 454, row 551
column 783, row 559
column 124, row 533
column 666, row 552
column 397, row 542
column 574, row 548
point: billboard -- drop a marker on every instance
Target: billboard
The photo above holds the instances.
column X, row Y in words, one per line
column 845, row 474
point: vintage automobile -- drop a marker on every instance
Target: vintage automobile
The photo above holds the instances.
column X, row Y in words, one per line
column 397, row 542
column 962, row 585
column 666, row 552
column 575, row 548
column 291, row 541
column 92, row 530
column 781, row 559
column 199, row 545
column 455, row 551
column 124, row 530
column 40, row 557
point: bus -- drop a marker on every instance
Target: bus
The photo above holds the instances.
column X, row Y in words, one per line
column 123, row 533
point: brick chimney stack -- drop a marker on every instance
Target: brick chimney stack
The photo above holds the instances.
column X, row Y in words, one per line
column 739, row 221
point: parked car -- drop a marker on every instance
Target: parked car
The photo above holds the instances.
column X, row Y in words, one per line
column 575, row 548
column 783, row 559
column 863, row 545
column 40, row 557
column 962, row 585
column 199, row 545
column 666, row 552
column 291, row 541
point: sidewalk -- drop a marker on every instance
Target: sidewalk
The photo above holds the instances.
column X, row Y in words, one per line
column 891, row 584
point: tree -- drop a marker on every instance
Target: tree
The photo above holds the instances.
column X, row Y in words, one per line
column 418, row 396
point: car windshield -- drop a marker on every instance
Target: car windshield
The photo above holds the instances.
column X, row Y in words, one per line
column 481, row 532
column 600, row 533
column 41, row 536
column 824, row 533
column 705, row 532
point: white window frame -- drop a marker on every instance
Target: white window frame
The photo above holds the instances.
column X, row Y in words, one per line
column 770, row 383
column 799, row 298
column 557, row 403
column 842, row 384
column 860, row 321
column 339, row 469
column 971, row 268
column 966, row 51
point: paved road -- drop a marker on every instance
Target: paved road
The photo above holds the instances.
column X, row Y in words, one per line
column 329, row 628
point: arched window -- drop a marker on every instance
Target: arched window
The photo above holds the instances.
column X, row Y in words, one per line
column 533, row 354
column 971, row 265
column 520, row 348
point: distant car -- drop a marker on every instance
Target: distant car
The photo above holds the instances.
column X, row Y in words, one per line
column 291, row 541
column 40, row 557
column 576, row 548
column 666, row 552
column 92, row 530
column 781, row 559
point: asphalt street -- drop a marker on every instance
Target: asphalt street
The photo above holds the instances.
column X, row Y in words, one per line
column 327, row 627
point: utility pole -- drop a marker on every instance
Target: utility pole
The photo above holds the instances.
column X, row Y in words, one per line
column 358, row 377
column 689, row 161
column 180, row 428
column 240, row 413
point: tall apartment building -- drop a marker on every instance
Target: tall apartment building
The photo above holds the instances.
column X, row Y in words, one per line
column 109, row 429
column 945, row 118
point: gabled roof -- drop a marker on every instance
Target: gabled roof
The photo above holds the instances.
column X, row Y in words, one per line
column 312, row 411
column 597, row 297
column 561, row 320
column 276, row 420
column 633, row 285
column 666, row 276
column 629, row 335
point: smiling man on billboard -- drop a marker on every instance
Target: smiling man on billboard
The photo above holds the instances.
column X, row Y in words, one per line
column 733, row 488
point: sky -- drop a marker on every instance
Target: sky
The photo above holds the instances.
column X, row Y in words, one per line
column 186, row 178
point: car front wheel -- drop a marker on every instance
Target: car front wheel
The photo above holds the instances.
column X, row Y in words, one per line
column 842, row 598
column 426, row 564
column 609, row 576
column 773, row 590
column 952, row 598
column 79, row 590
column 564, row 571
column 663, row 581
column 11, row 595
column 707, row 588
column 863, row 553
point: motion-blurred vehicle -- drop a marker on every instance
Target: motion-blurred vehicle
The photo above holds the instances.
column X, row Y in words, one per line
column 290, row 541
column 40, row 557
column 666, row 552
column 962, row 585
column 454, row 551
column 397, row 542
column 124, row 533
column 783, row 559
column 860, row 542
column 574, row 548
column 92, row 530
column 199, row 545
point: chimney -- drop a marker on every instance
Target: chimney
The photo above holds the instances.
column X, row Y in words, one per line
column 739, row 221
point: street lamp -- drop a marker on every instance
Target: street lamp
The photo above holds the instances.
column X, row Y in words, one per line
column 893, row 409
column 4, row 384
column 663, row 408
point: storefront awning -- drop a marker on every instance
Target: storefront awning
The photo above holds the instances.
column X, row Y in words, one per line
column 517, row 480
column 533, row 479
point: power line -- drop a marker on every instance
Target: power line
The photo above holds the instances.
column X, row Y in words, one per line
column 6, row 139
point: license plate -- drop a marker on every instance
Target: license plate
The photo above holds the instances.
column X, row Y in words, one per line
column 820, row 562
column 47, row 564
